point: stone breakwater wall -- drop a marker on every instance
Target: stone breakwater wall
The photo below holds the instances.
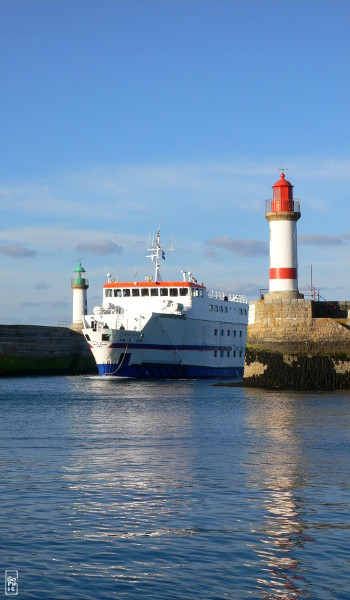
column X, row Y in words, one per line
column 40, row 350
column 291, row 347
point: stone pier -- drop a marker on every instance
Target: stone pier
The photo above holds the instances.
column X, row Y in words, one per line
column 298, row 344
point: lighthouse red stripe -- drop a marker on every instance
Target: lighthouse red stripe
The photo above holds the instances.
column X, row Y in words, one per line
column 283, row 273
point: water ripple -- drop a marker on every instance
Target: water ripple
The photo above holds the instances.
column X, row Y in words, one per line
column 173, row 490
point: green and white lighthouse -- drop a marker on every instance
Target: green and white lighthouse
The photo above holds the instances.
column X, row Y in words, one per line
column 79, row 285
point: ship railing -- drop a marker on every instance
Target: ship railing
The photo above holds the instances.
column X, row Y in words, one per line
column 228, row 296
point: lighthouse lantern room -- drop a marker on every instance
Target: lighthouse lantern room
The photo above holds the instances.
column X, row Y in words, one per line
column 79, row 285
column 283, row 212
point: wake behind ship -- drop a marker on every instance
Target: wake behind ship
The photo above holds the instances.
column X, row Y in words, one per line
column 167, row 329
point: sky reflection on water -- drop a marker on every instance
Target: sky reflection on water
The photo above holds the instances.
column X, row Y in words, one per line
column 174, row 490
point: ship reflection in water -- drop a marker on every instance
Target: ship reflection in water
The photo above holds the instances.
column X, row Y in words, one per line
column 277, row 474
column 135, row 476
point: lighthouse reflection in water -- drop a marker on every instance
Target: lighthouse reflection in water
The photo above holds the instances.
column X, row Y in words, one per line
column 277, row 473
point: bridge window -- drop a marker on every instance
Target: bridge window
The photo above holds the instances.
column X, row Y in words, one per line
column 164, row 291
column 222, row 353
column 154, row 291
column 234, row 353
column 240, row 334
column 117, row 293
column 222, row 332
column 228, row 332
column 215, row 308
column 211, row 307
column 183, row 291
column 144, row 292
column 228, row 354
column 221, row 309
column 135, row 292
column 234, row 333
column 126, row 293
column 108, row 293
column 215, row 353
column 173, row 292
column 215, row 331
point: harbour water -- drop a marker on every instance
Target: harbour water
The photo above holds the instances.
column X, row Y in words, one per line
column 166, row 490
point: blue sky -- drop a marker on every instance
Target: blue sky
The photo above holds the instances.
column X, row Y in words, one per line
column 117, row 116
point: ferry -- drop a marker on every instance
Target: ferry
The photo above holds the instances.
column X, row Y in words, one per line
column 167, row 329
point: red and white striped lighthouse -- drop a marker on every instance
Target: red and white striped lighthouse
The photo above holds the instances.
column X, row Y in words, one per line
column 283, row 212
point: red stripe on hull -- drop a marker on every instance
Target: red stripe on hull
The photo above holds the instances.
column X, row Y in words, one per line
column 283, row 273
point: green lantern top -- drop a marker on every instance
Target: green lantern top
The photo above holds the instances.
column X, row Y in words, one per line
column 79, row 275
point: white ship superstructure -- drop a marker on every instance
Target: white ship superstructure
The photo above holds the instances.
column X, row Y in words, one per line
column 167, row 329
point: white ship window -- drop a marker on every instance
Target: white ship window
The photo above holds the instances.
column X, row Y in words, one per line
column 126, row 293
column 211, row 307
column 197, row 293
column 164, row 291
column 105, row 337
column 144, row 292
column 216, row 331
column 118, row 293
column 183, row 291
column 215, row 308
column 135, row 292
column 154, row 291
column 173, row 291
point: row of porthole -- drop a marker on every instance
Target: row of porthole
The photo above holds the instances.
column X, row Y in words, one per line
column 221, row 353
column 222, row 332
column 216, row 308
